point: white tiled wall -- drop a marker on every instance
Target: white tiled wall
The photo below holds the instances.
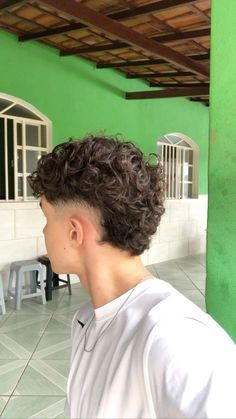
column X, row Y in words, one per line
column 182, row 232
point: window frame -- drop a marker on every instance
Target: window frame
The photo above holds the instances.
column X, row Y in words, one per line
column 39, row 121
column 165, row 140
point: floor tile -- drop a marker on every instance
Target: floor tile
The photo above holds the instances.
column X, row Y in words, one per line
column 196, row 276
column 164, row 270
column 35, row 407
column 199, row 280
column 10, row 373
column 59, row 324
column 191, row 267
column 66, row 311
column 44, row 377
column 201, row 259
column 4, row 317
column 196, row 297
column 152, row 269
column 54, row 346
column 71, row 302
column 63, row 315
column 24, row 321
column 180, row 283
column 34, row 306
column 78, row 286
column 3, row 402
column 18, row 344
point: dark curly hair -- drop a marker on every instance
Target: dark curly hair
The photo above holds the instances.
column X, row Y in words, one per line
column 111, row 176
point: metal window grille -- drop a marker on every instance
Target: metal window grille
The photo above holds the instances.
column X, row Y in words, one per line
column 24, row 138
column 177, row 161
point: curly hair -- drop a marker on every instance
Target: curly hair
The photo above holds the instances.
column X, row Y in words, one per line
column 111, row 176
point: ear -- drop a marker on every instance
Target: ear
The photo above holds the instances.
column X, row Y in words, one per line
column 75, row 232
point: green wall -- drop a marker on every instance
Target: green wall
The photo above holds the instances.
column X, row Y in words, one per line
column 221, row 241
column 79, row 99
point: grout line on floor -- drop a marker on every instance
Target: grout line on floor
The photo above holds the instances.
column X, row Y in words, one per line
column 198, row 289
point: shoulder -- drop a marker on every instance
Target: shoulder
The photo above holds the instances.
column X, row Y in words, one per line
column 191, row 361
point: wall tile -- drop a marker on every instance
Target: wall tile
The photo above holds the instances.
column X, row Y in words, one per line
column 188, row 222
column 29, row 223
column 178, row 249
column 188, row 229
column 169, row 232
column 202, row 224
column 158, row 253
column 19, row 205
column 197, row 208
column 179, row 210
column 7, row 225
column 197, row 245
column 13, row 250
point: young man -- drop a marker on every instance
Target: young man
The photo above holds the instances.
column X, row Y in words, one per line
column 139, row 348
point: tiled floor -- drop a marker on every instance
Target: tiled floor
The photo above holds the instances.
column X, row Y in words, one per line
column 35, row 342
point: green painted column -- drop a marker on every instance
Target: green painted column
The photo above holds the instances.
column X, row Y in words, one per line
column 221, row 236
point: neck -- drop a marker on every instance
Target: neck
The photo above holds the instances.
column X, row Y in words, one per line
column 111, row 274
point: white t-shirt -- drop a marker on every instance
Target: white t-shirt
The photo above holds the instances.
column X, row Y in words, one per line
column 161, row 357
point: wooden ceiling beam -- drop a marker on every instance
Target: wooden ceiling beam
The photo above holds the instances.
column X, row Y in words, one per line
column 7, row 4
column 119, row 45
column 204, row 101
column 144, row 63
column 198, row 33
column 150, row 8
column 124, row 33
column 50, row 32
column 168, row 93
column 137, row 11
column 199, row 99
column 94, row 48
column 159, row 75
column 179, row 85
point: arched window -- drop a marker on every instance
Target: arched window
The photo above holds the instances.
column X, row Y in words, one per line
column 179, row 156
column 25, row 135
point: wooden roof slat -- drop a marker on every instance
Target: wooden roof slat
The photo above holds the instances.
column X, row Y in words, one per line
column 118, row 45
column 204, row 101
column 151, row 8
column 52, row 31
column 183, row 35
column 144, row 63
column 87, row 15
column 136, row 11
column 94, row 48
column 159, row 75
column 200, row 13
column 168, row 93
column 156, row 84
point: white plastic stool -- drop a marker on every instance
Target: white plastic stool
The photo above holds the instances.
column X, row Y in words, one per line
column 20, row 268
column 2, row 302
